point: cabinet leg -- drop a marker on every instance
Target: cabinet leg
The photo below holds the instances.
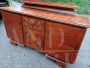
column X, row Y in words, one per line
column 62, row 64
column 13, row 43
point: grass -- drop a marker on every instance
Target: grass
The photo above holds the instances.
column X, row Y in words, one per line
column 84, row 5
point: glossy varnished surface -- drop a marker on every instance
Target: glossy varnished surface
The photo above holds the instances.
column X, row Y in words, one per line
column 61, row 40
column 45, row 31
column 13, row 26
column 57, row 5
column 80, row 21
column 33, row 29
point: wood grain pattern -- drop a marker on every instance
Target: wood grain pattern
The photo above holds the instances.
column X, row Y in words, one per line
column 52, row 4
column 80, row 21
column 33, row 29
column 69, row 33
column 57, row 34
column 13, row 26
column 61, row 44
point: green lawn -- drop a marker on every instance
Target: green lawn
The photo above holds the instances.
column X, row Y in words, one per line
column 84, row 5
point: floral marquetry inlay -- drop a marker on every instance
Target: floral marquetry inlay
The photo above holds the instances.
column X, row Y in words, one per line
column 33, row 32
column 33, row 23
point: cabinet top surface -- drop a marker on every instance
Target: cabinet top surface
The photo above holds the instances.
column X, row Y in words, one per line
column 75, row 20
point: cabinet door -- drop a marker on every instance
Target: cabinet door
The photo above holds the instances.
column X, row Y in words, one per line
column 13, row 26
column 62, row 39
column 33, row 32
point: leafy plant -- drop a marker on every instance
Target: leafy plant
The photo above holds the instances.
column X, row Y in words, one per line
column 84, row 5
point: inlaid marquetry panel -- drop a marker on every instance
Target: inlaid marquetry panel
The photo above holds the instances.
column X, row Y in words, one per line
column 33, row 23
column 33, row 32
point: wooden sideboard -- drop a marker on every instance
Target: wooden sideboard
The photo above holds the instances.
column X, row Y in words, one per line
column 57, row 35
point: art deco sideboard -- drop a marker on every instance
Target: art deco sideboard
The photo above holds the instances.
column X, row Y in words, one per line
column 58, row 35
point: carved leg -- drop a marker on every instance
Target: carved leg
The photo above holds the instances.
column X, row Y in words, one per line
column 62, row 64
column 13, row 43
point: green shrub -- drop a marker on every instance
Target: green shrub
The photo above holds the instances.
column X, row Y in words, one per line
column 84, row 5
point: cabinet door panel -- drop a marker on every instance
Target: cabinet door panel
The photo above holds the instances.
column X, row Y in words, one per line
column 62, row 39
column 13, row 26
column 33, row 32
column 63, row 34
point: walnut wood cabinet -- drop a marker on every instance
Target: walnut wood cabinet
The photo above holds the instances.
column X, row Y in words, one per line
column 57, row 40
column 56, row 34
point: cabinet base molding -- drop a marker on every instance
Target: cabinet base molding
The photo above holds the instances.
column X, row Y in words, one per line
column 62, row 64
column 59, row 62
column 15, row 43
